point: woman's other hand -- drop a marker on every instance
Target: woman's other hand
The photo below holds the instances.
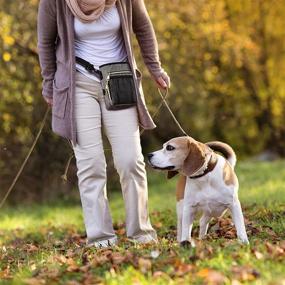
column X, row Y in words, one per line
column 49, row 101
column 163, row 81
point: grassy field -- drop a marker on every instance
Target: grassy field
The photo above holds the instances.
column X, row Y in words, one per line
column 44, row 244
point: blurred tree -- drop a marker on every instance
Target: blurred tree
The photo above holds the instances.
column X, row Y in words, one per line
column 226, row 59
column 22, row 108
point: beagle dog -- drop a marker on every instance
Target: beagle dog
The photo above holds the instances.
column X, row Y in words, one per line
column 208, row 183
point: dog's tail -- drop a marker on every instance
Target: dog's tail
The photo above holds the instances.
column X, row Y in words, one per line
column 224, row 149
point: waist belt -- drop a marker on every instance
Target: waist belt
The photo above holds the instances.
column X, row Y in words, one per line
column 89, row 67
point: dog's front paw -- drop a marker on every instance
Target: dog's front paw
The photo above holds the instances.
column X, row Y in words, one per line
column 244, row 240
column 185, row 244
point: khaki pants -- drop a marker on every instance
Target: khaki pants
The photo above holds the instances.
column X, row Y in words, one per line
column 122, row 130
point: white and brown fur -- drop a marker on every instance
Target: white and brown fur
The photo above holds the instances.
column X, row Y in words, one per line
column 210, row 194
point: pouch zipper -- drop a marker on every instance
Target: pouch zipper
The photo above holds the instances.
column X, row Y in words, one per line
column 126, row 72
column 117, row 73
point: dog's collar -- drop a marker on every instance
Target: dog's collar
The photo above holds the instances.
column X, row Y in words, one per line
column 209, row 167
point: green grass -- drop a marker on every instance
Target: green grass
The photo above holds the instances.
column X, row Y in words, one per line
column 44, row 244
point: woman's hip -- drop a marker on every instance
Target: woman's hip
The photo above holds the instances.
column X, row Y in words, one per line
column 85, row 86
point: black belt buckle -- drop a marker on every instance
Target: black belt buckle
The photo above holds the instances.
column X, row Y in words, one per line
column 89, row 67
column 97, row 73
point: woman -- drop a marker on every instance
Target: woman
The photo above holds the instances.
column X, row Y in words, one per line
column 99, row 32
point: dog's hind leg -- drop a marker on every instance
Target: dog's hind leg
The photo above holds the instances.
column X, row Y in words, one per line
column 239, row 221
column 204, row 223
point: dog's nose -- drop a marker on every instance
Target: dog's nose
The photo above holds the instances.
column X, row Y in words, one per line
column 149, row 156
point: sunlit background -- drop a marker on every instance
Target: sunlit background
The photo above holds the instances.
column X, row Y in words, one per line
column 226, row 60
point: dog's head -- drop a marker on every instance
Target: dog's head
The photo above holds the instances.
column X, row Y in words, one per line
column 179, row 154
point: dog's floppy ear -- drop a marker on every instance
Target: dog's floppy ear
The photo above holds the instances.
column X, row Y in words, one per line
column 171, row 173
column 195, row 158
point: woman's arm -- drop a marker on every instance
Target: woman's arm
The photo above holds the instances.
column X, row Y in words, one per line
column 145, row 34
column 47, row 34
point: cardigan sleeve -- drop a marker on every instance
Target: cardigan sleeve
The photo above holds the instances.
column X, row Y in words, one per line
column 47, row 34
column 144, row 31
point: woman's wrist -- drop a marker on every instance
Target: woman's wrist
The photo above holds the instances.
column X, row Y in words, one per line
column 162, row 79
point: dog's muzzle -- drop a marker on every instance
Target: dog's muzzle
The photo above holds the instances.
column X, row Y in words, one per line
column 171, row 167
column 150, row 155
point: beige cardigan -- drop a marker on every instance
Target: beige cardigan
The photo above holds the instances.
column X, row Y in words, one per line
column 56, row 55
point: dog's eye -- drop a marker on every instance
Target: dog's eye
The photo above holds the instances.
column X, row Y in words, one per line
column 170, row 147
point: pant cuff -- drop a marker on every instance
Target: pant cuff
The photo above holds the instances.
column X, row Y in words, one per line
column 146, row 238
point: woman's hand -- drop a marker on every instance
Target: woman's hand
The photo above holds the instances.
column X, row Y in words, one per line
column 49, row 101
column 163, row 81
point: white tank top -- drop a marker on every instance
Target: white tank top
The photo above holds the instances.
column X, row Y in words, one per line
column 101, row 41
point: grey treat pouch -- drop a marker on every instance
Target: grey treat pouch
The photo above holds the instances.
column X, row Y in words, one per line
column 118, row 85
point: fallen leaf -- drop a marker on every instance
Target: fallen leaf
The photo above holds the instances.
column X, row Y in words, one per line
column 282, row 244
column 72, row 282
column 72, row 265
column 117, row 258
column 183, row 269
column 211, row 276
column 144, row 265
column 120, row 231
column 258, row 254
column 61, row 259
column 5, row 273
column 84, row 258
column 158, row 274
column 235, row 282
column 158, row 225
column 34, row 281
column 203, row 272
column 245, row 273
column 275, row 250
column 33, row 267
column 53, row 273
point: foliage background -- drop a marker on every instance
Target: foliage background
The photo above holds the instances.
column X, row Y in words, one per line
column 226, row 60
